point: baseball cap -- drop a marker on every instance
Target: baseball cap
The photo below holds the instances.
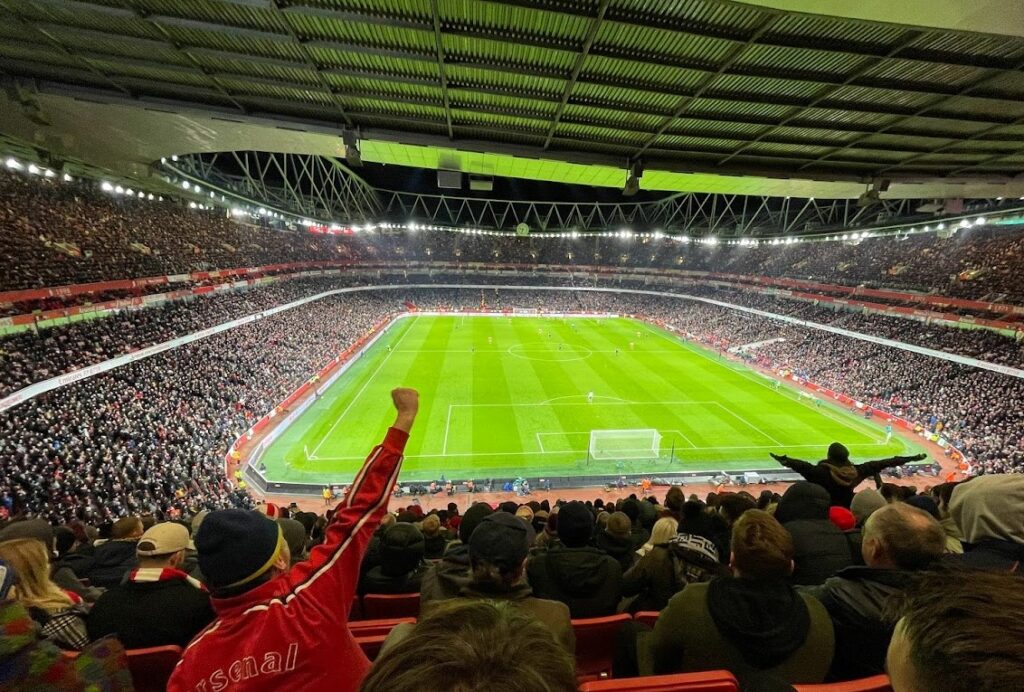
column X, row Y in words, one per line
column 502, row 539
column 162, row 539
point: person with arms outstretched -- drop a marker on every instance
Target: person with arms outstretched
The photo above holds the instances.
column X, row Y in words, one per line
column 287, row 628
column 837, row 475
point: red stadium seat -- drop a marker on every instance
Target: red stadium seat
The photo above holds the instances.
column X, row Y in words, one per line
column 876, row 683
column 371, row 644
column 647, row 617
column 595, row 644
column 151, row 668
column 710, row 681
column 356, row 611
column 366, row 628
column 391, row 606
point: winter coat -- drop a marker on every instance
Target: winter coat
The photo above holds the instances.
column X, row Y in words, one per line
column 821, row 548
column 30, row 662
column 992, row 553
column 751, row 628
column 585, row 579
column 295, row 626
column 619, row 548
column 110, row 563
column 376, row 581
column 855, row 599
column 434, row 546
column 145, row 614
column 445, row 578
column 840, row 480
column 656, row 577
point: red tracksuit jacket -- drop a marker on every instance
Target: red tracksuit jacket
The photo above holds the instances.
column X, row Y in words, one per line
column 292, row 632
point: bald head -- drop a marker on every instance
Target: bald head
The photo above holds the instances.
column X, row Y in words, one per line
column 899, row 536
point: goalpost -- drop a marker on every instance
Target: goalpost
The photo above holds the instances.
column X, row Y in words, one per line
column 624, row 445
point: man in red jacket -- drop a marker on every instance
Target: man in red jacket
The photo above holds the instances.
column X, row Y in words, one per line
column 278, row 626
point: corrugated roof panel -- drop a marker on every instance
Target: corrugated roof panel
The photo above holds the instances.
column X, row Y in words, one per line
column 900, row 142
column 510, row 136
column 512, row 19
column 739, row 84
column 266, row 47
column 953, row 158
column 472, row 49
column 690, row 143
column 607, row 116
column 263, row 19
column 193, row 77
column 604, row 134
column 820, row 29
column 830, row 115
column 650, row 100
column 636, row 72
column 989, row 147
column 241, row 66
column 572, row 145
column 783, row 58
column 880, row 97
column 976, row 106
column 369, row 85
column 956, row 128
column 31, row 52
column 414, row 8
column 242, row 86
column 460, row 75
column 736, row 16
column 157, row 50
column 793, row 151
column 470, row 99
column 817, row 135
column 1010, row 82
column 637, row 41
column 726, row 107
column 886, row 156
column 364, row 33
column 76, row 16
column 972, row 44
column 369, row 62
column 686, row 125
column 919, row 71
column 474, row 119
column 407, row 110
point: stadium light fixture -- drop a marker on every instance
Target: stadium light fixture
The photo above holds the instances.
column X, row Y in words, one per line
column 150, row 196
column 964, row 223
column 67, row 178
column 119, row 190
column 174, row 157
column 980, row 221
column 191, row 205
column 130, row 192
column 106, row 187
column 198, row 189
column 13, row 164
column 48, row 173
column 33, row 169
column 186, row 184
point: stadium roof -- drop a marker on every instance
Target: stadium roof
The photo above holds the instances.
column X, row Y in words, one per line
column 707, row 87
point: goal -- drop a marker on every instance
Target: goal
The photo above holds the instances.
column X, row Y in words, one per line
column 625, row 444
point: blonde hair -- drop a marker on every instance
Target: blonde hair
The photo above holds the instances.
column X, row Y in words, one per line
column 664, row 529
column 31, row 564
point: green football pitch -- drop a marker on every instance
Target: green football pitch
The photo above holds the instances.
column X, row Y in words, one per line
column 508, row 396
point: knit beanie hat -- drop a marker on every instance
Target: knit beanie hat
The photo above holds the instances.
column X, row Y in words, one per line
column 401, row 549
column 865, row 503
column 501, row 539
column 843, row 518
column 575, row 524
column 619, row 525
column 838, row 453
column 989, row 506
column 236, row 547
column 525, row 513
column 472, row 518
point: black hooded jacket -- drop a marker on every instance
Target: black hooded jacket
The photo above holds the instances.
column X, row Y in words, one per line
column 585, row 579
column 821, row 548
column 839, row 479
column 619, row 548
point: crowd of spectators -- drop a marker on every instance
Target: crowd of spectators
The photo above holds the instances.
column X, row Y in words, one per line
column 152, row 435
column 777, row 590
column 59, row 233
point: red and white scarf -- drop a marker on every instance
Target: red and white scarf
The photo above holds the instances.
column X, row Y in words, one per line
column 152, row 574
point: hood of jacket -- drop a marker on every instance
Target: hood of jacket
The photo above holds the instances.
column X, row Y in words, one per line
column 766, row 620
column 577, row 570
column 842, row 474
column 803, row 500
column 989, row 506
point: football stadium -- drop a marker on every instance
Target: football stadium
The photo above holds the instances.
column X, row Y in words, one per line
column 512, row 345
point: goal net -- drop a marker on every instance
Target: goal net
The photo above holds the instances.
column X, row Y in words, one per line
column 625, row 444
